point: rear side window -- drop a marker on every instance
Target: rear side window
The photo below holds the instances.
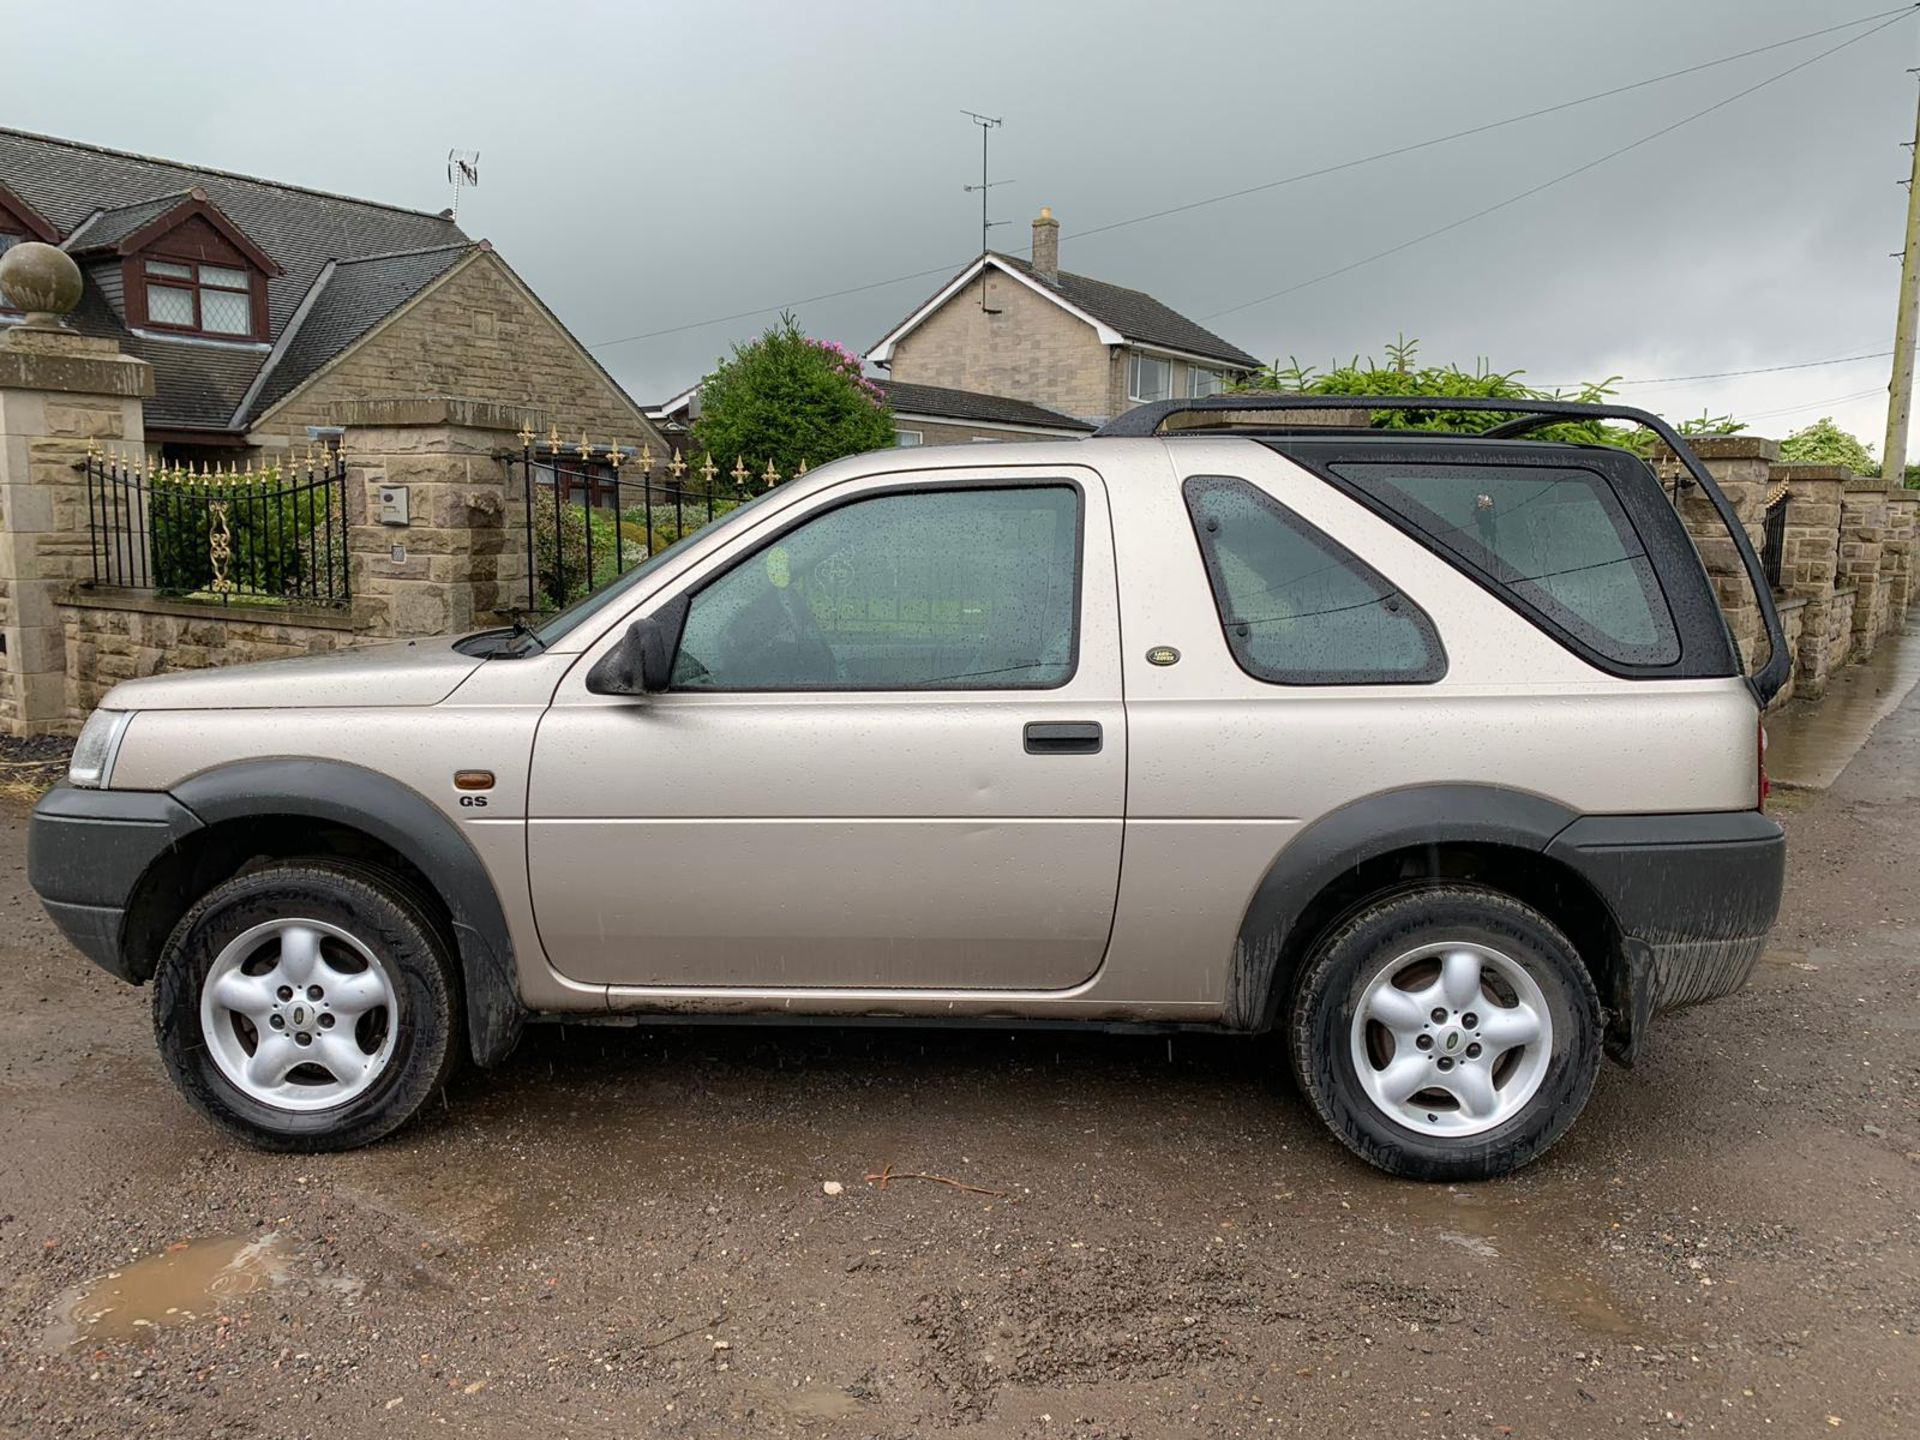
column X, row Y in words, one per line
column 1297, row 607
column 1554, row 539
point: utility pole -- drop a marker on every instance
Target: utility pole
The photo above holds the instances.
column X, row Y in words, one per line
column 986, row 123
column 1893, row 459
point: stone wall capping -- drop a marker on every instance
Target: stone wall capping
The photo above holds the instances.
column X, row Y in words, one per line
column 144, row 602
column 1730, row 447
column 1807, row 470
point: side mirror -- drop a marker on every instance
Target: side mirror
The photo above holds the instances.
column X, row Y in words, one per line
column 642, row 663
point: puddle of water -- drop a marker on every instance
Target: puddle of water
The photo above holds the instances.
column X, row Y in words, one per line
column 1809, row 742
column 1513, row 1236
column 176, row 1287
column 810, row 1403
column 816, row 1402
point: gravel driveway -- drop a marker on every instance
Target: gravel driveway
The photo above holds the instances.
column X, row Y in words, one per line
column 675, row 1231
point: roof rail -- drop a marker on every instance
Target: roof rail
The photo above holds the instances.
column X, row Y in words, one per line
column 1528, row 416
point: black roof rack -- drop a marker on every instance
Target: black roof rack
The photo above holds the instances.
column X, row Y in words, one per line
column 1528, row 416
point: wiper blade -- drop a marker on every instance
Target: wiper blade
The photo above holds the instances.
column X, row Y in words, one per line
column 523, row 635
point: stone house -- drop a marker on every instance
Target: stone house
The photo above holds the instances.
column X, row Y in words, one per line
column 1030, row 331
column 262, row 306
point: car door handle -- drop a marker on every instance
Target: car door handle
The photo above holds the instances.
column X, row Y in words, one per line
column 1063, row 737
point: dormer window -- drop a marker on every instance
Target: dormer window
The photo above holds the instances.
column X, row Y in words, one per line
column 203, row 299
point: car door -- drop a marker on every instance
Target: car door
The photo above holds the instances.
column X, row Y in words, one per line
column 893, row 754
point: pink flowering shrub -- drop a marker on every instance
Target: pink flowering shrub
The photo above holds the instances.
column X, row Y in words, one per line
column 788, row 397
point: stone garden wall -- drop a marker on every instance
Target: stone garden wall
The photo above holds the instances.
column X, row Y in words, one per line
column 122, row 635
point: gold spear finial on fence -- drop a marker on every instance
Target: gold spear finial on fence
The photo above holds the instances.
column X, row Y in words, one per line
column 526, row 434
column 553, row 437
column 709, row 470
column 614, row 457
column 772, row 476
column 585, row 447
column 646, row 461
column 803, row 468
column 676, row 467
column 740, row 473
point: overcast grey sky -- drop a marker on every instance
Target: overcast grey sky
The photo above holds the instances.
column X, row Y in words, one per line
column 650, row 166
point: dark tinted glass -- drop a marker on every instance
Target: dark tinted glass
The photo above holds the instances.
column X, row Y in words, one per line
column 1298, row 608
column 1553, row 537
column 936, row 589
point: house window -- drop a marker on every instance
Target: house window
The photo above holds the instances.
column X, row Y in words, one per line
column 908, row 437
column 581, row 482
column 1201, row 382
column 1149, row 378
column 208, row 299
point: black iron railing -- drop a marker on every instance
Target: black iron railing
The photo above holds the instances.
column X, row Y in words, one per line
column 1773, row 542
column 250, row 534
column 594, row 512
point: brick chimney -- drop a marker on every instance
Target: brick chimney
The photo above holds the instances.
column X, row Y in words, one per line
column 1046, row 246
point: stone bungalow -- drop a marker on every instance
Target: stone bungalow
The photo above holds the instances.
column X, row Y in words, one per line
column 1030, row 331
column 262, row 306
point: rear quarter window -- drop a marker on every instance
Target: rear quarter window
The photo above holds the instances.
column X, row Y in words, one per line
column 1554, row 539
column 1297, row 607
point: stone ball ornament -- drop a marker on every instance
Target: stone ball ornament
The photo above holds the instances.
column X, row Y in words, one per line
column 41, row 280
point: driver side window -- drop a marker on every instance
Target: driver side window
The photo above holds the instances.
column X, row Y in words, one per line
column 952, row 589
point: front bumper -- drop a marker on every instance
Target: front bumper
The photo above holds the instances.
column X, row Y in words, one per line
column 86, row 852
column 1694, row 895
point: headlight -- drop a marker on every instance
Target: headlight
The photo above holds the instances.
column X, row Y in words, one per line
column 92, row 765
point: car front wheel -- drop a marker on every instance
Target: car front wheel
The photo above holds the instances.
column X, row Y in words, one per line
column 307, row 1006
column 1449, row 1033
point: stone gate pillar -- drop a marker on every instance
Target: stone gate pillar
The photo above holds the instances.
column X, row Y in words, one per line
column 456, row 562
column 1811, row 562
column 59, row 393
column 1863, row 531
column 1897, row 554
column 1741, row 465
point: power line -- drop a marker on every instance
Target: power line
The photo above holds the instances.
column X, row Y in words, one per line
column 1561, row 178
column 1816, row 404
column 1275, row 184
column 1416, row 145
column 1730, row 374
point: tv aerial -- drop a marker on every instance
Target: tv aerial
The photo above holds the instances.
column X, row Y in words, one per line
column 463, row 170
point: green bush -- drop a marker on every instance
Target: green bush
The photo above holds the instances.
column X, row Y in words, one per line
column 786, row 398
column 1825, row 443
column 1400, row 375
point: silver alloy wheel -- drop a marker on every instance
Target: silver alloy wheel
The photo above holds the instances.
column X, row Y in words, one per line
column 1452, row 1039
column 299, row 1014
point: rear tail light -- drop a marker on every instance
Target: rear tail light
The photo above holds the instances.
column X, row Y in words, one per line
column 1760, row 762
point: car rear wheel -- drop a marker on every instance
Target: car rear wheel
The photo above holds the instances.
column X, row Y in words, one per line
column 307, row 1006
column 1449, row 1033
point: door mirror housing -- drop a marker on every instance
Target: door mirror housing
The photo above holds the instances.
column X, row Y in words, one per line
column 642, row 663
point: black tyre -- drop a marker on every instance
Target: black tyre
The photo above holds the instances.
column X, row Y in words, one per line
column 1449, row 1033
column 307, row 1006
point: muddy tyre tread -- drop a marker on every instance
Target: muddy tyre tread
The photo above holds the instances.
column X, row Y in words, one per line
column 1317, row 1034
column 389, row 915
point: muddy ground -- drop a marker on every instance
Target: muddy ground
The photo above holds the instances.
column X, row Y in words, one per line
column 628, row 1232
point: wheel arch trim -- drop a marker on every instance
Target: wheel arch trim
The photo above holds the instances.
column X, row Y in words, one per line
column 1315, row 858
column 407, row 822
